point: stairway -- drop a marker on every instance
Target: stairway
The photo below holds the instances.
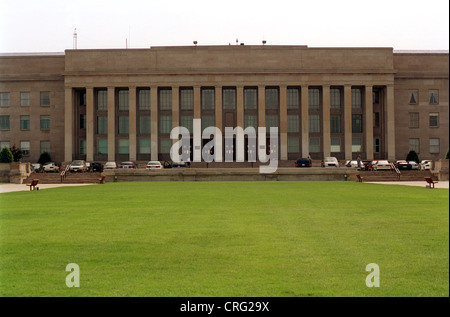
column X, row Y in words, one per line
column 386, row 176
column 71, row 178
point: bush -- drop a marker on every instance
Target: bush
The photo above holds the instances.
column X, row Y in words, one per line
column 44, row 158
column 412, row 156
column 16, row 152
column 6, row 155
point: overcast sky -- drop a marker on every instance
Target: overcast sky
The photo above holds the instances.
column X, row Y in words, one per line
column 48, row 25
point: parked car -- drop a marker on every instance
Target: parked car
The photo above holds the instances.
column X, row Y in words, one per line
column 303, row 162
column 96, row 167
column 414, row 165
column 330, row 162
column 425, row 165
column 78, row 166
column 110, row 165
column 368, row 165
column 127, row 164
column 178, row 164
column 403, row 165
column 36, row 167
column 50, row 167
column 354, row 164
column 381, row 165
column 154, row 165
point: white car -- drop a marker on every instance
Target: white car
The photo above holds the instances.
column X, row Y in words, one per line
column 354, row 164
column 50, row 167
column 154, row 165
column 330, row 162
column 425, row 165
column 110, row 165
column 381, row 165
column 414, row 165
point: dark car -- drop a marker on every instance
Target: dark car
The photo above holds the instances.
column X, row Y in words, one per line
column 96, row 167
column 127, row 165
column 303, row 162
column 403, row 165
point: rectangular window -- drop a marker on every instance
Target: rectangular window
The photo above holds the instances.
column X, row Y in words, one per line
column 82, row 121
column 165, row 99
column 434, row 145
column 124, row 122
column 144, row 124
column 4, row 99
column 82, row 98
column 25, row 147
column 250, row 121
column 250, row 98
column 208, row 98
column 335, row 98
column 314, row 123
column 45, row 98
column 165, row 124
column 376, row 97
column 207, row 121
column 314, row 98
column 356, row 145
column 293, row 98
column 434, row 119
column 144, row 146
column 229, row 98
column 335, row 123
column 187, row 122
column 357, row 126
column 123, row 100
column 413, row 119
column 413, row 97
column 166, row 144
column 433, row 96
column 376, row 145
column 124, row 146
column 144, row 99
column 24, row 122
column 293, row 145
column 271, row 121
column 356, row 98
column 102, row 146
column 414, row 145
column 82, row 147
column 293, row 123
column 45, row 147
column 186, row 98
column 25, row 99
column 314, row 145
column 335, row 145
column 45, row 122
column 376, row 119
column 272, row 101
column 4, row 122
column 3, row 144
column 102, row 125
column 102, row 99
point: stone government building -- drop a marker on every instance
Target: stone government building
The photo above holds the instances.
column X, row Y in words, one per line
column 121, row 104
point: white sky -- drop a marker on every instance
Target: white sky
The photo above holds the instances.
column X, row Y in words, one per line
column 48, row 25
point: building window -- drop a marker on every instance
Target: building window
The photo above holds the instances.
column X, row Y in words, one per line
column 356, row 98
column 124, row 122
column 356, row 145
column 187, row 122
column 376, row 119
column 335, row 145
column 271, row 122
column 434, row 119
column 165, row 99
column 123, row 100
column 272, row 101
column 376, row 145
column 376, row 97
column 165, row 124
column 102, row 125
column 102, row 146
column 293, row 98
column 4, row 144
column 4, row 122
column 229, row 98
column 335, row 123
column 102, row 99
column 413, row 119
column 314, row 145
column 293, row 145
column 82, row 147
column 250, row 98
column 166, row 145
column 4, row 99
column 82, row 121
column 144, row 99
column 335, row 98
column 208, row 98
column 124, row 147
column 314, row 123
column 314, row 98
column 45, row 122
column 144, row 124
column 357, row 123
column 434, row 96
column 25, row 148
column 186, row 98
column 414, row 145
column 45, row 147
column 45, row 98
column 24, row 122
column 207, row 121
column 144, row 146
column 250, row 121
column 25, row 99
column 434, row 145
column 413, row 97
column 82, row 98
column 293, row 123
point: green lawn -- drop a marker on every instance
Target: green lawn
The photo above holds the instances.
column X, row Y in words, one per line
column 225, row 239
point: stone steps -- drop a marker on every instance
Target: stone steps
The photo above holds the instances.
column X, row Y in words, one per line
column 71, row 178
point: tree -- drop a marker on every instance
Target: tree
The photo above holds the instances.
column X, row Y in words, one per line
column 44, row 158
column 412, row 156
column 6, row 155
column 16, row 152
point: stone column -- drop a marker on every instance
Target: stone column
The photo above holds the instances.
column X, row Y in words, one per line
column 197, row 103
column 154, row 123
column 283, row 123
column 326, row 121
column 68, row 124
column 90, row 124
column 111, row 124
column 390, row 122
column 132, row 125
column 368, row 118
column 348, row 121
column 305, row 118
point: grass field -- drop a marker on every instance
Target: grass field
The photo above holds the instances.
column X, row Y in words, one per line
column 225, row 239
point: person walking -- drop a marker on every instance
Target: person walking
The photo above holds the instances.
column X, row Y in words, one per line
column 358, row 161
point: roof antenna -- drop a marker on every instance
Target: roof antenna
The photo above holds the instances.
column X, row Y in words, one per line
column 75, row 39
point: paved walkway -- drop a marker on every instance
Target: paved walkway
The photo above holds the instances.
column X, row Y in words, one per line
column 440, row 184
column 6, row 188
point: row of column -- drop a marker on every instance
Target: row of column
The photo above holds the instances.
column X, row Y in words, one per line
column 368, row 119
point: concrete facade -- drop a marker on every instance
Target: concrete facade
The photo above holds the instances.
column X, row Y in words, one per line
column 117, row 105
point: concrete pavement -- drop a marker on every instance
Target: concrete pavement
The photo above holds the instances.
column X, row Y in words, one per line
column 6, row 188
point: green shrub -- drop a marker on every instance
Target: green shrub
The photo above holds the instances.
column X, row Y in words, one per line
column 44, row 158
column 16, row 152
column 6, row 155
column 412, row 156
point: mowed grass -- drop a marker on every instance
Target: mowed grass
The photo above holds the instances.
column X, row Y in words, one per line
column 225, row 239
